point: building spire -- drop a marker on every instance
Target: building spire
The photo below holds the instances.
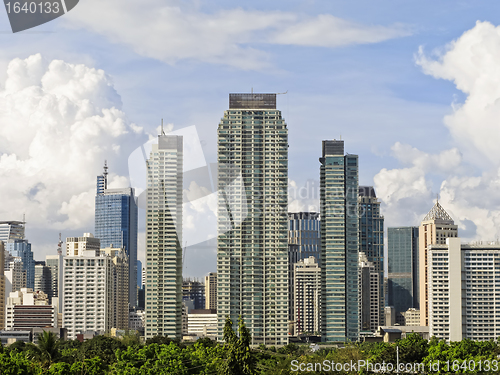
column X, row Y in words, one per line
column 162, row 132
column 105, row 174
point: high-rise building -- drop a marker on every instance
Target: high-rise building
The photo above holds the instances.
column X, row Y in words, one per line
column 55, row 264
column 22, row 249
column 211, row 291
column 371, row 243
column 139, row 274
column 252, row 245
column 76, row 246
column 436, row 227
column 43, row 279
column 339, row 243
column 164, row 238
column 11, row 230
column 116, row 223
column 88, row 290
column 464, row 287
column 120, row 273
column 369, row 295
column 402, row 258
column 303, row 242
column 2, row 286
column 193, row 290
column 15, row 275
column 307, row 295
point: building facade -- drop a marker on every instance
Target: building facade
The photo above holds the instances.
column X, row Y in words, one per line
column 403, row 275
column 22, row 249
column 88, row 292
column 164, row 238
column 11, row 230
column 55, row 264
column 120, row 299
column 202, row 323
column 463, row 283
column 2, row 286
column 43, row 279
column 339, row 243
column 369, row 295
column 436, row 227
column 76, row 246
column 252, row 245
column 307, row 295
column 211, row 291
column 27, row 309
column 116, row 223
column 371, row 243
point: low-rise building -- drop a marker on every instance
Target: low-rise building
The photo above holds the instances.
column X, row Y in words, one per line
column 202, row 323
column 26, row 309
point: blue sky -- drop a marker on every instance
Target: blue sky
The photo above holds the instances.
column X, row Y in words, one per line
column 363, row 84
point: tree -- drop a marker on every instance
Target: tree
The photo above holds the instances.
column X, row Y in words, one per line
column 239, row 359
column 47, row 348
column 103, row 347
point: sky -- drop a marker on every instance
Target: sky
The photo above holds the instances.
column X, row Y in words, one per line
column 412, row 87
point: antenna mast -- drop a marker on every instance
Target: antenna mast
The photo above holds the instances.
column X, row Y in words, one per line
column 105, row 174
column 59, row 245
column 162, row 132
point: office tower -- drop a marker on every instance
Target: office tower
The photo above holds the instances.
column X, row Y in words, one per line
column 15, row 275
column 76, row 246
column 211, row 291
column 116, row 218
column 464, row 285
column 369, row 295
column 252, row 248
column 88, row 289
column 339, row 242
column 27, row 309
column 402, row 258
column 139, row 274
column 22, row 249
column 119, row 274
column 164, row 238
column 303, row 242
column 55, row 264
column 11, row 230
column 307, row 295
column 371, row 243
column 411, row 317
column 2, row 286
column 43, row 279
column 193, row 290
column 436, row 227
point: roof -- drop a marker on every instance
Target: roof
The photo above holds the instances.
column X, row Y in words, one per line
column 438, row 213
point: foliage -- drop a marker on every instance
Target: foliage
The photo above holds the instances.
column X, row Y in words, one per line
column 103, row 347
column 238, row 359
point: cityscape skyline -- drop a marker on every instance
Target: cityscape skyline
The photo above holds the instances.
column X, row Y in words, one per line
column 384, row 94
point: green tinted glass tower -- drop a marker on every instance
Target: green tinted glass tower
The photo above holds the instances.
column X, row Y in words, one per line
column 252, row 246
column 339, row 243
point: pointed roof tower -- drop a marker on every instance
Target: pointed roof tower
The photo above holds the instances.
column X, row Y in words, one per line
column 438, row 213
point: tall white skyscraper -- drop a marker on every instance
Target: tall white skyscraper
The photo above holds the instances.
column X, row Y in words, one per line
column 164, row 238
column 252, row 246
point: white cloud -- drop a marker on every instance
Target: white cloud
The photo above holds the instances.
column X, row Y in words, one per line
column 470, row 194
column 173, row 30
column 60, row 122
column 472, row 63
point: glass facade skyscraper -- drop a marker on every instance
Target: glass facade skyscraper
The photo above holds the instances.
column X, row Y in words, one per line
column 22, row 250
column 402, row 259
column 339, row 243
column 252, row 245
column 116, row 225
column 164, row 238
column 371, row 243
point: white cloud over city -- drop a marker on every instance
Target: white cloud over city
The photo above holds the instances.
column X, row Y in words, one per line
column 173, row 30
column 470, row 178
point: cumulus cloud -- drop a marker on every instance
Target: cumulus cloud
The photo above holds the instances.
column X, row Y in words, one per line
column 468, row 181
column 173, row 30
column 59, row 122
column 472, row 63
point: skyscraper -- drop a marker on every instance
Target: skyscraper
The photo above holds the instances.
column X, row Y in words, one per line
column 252, row 245
column 211, row 291
column 116, row 224
column 307, row 295
column 164, row 238
column 21, row 248
column 43, row 280
column 436, row 227
column 55, row 263
column 11, row 230
column 2, row 286
column 402, row 259
column 339, row 243
column 371, row 243
column 193, row 290
column 369, row 296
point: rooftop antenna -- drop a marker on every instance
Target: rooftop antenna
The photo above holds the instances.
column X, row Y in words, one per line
column 105, row 174
column 282, row 93
column 24, row 218
column 59, row 245
column 437, row 198
column 162, row 132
